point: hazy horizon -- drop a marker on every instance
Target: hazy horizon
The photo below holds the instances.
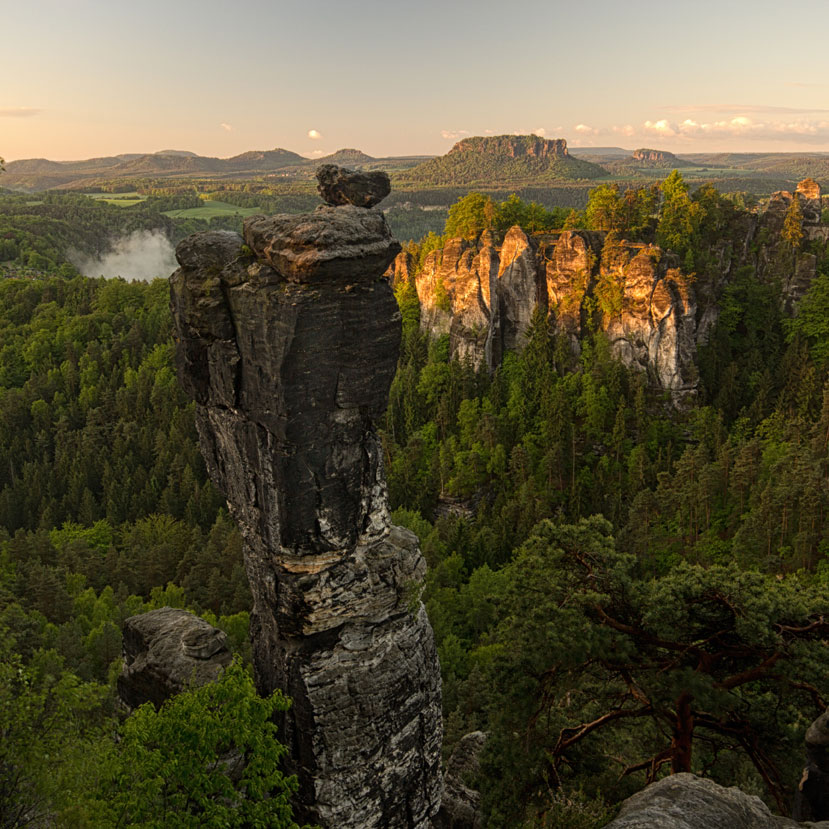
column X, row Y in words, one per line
column 93, row 79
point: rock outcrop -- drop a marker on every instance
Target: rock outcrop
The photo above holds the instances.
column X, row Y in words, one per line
column 288, row 341
column 812, row 796
column 460, row 806
column 167, row 651
column 483, row 292
column 684, row 801
column 338, row 185
column 775, row 260
column 483, row 296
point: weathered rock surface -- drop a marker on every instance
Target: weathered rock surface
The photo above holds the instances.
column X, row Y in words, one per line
column 655, row 325
column 774, row 260
column 338, row 185
column 167, row 651
column 812, row 796
column 684, row 801
column 289, row 353
column 519, row 287
column 460, row 805
column 483, row 296
column 459, row 296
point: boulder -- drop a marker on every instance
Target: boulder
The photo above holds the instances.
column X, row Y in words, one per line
column 339, row 185
column 167, row 651
column 685, row 801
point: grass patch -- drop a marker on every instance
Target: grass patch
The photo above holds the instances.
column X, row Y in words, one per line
column 212, row 209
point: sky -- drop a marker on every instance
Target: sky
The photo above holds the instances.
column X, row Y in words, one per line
column 85, row 78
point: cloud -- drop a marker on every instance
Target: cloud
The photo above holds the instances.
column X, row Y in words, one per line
column 805, row 130
column 626, row 130
column 584, row 129
column 661, row 127
column 314, row 135
column 143, row 255
column 742, row 109
column 316, row 153
column 19, row 112
column 540, row 132
column 454, row 135
column 226, row 127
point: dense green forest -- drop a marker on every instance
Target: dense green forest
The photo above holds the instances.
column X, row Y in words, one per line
column 619, row 588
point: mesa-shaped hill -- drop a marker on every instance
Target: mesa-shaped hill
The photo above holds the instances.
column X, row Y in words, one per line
column 505, row 159
column 663, row 159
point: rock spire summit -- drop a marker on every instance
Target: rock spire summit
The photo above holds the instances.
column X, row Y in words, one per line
column 287, row 340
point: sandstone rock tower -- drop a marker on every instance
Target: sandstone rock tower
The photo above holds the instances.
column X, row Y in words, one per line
column 288, row 342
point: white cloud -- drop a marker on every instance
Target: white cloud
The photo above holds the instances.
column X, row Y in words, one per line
column 584, row 129
column 740, row 109
column 742, row 126
column 227, row 127
column 316, row 153
column 540, row 132
column 626, row 130
column 661, row 127
column 19, row 112
column 314, row 135
column 454, row 135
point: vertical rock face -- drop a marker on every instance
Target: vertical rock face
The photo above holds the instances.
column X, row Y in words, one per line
column 458, row 294
column 520, row 287
column 288, row 343
column 655, row 324
column 570, row 269
column 484, row 296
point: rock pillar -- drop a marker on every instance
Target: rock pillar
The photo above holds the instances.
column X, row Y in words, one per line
column 288, row 342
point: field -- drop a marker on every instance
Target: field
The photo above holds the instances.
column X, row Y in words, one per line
column 212, row 209
column 118, row 199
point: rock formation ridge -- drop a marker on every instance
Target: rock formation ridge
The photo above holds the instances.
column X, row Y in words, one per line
column 288, row 341
column 484, row 296
column 482, row 293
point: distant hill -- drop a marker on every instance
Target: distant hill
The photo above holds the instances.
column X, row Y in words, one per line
column 660, row 158
column 504, row 159
column 34, row 174
column 347, row 158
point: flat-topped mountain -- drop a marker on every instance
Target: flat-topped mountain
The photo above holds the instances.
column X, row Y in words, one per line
column 507, row 159
column 660, row 158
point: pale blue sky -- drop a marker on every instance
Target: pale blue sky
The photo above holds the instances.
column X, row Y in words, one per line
column 84, row 78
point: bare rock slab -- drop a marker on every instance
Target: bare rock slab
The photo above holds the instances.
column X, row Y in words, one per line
column 685, row 801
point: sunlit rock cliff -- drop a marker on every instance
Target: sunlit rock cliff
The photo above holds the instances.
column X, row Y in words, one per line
column 483, row 292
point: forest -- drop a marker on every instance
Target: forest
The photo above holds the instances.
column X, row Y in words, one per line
column 619, row 587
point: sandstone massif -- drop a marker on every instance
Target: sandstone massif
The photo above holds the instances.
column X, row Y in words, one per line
column 287, row 340
column 482, row 292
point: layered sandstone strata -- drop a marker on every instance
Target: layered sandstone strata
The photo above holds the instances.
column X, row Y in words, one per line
column 288, row 341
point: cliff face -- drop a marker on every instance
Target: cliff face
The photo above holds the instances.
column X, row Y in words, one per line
column 483, row 294
column 649, row 318
column 289, row 346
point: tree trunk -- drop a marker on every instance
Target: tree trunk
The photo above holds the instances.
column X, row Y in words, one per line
column 683, row 735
